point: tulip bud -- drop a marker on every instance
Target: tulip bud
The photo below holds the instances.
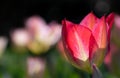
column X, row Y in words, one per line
column 86, row 43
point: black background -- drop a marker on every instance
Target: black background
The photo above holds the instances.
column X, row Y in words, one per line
column 14, row 12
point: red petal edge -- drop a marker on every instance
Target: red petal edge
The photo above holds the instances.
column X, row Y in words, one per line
column 89, row 21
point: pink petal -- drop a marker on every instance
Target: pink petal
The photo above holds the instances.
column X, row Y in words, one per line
column 89, row 21
column 100, row 33
column 77, row 40
column 92, row 47
column 110, row 19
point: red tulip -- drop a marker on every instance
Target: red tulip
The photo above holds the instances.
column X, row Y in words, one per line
column 85, row 43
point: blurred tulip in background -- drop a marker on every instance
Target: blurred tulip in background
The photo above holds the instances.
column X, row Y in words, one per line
column 117, row 20
column 36, row 67
column 43, row 35
column 20, row 37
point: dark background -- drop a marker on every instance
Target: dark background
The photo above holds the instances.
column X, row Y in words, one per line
column 14, row 12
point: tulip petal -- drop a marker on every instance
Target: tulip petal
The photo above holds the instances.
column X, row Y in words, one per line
column 100, row 33
column 110, row 19
column 92, row 47
column 89, row 21
column 77, row 37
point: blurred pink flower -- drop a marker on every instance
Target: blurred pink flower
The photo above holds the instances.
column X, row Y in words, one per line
column 55, row 32
column 20, row 37
column 117, row 20
column 36, row 67
column 43, row 35
column 36, row 24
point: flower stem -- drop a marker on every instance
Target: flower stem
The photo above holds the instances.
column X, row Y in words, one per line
column 96, row 72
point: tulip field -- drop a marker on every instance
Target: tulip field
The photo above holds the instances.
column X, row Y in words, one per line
column 58, row 41
column 54, row 50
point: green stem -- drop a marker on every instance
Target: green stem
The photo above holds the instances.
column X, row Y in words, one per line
column 96, row 72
